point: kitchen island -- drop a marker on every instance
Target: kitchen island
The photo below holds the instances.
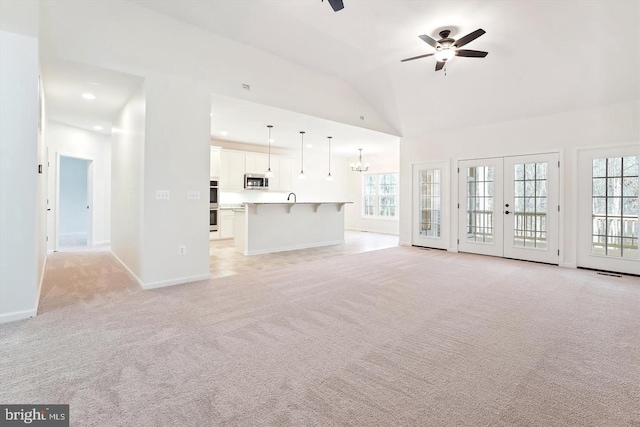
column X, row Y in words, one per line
column 262, row 228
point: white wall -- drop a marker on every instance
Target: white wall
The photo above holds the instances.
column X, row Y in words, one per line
column 21, row 241
column 69, row 140
column 176, row 158
column 563, row 133
column 127, row 169
column 354, row 220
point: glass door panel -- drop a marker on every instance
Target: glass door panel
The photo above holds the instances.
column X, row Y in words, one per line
column 480, row 216
column 531, row 207
column 430, row 204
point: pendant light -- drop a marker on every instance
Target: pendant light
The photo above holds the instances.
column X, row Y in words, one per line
column 302, row 175
column 268, row 173
column 329, row 177
column 359, row 167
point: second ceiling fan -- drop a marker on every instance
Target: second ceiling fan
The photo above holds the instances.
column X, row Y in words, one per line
column 446, row 48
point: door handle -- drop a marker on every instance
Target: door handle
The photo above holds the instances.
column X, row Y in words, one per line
column 507, row 212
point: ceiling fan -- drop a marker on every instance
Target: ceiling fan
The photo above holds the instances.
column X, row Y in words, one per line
column 336, row 4
column 446, row 48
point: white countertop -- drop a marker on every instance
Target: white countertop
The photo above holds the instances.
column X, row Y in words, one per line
column 295, row 203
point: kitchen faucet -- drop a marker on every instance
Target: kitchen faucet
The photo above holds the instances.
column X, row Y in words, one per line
column 295, row 199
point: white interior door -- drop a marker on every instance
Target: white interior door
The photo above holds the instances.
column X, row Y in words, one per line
column 508, row 207
column 431, row 205
column 608, row 209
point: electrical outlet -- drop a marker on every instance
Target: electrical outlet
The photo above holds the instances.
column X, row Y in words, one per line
column 162, row 194
column 182, row 250
column 193, row 195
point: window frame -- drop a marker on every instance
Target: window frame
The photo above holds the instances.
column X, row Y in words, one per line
column 377, row 195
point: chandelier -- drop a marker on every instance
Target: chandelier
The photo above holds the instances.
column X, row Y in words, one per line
column 359, row 166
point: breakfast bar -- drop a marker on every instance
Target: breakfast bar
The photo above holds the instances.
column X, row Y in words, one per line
column 262, row 228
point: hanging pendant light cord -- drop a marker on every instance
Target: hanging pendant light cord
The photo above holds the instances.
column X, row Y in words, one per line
column 269, row 126
column 302, row 152
column 329, row 154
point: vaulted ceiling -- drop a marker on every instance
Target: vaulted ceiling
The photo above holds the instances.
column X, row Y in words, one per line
column 545, row 57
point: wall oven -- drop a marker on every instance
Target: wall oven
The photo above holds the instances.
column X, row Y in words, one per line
column 213, row 205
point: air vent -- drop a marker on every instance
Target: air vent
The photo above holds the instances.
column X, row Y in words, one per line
column 609, row 274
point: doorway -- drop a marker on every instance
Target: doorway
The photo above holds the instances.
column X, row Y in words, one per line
column 508, row 207
column 74, row 222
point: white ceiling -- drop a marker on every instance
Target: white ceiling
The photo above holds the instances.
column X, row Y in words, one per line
column 246, row 122
column 545, row 57
column 65, row 82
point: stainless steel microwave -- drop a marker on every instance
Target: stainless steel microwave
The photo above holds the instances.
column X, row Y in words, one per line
column 253, row 181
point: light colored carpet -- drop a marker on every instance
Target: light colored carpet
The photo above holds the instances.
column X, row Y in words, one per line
column 399, row 336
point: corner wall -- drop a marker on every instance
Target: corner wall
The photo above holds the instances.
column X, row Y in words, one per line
column 176, row 158
column 127, row 171
column 22, row 247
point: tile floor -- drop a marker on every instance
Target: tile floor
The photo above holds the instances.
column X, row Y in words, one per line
column 225, row 261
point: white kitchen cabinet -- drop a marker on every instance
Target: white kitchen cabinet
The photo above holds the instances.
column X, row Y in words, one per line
column 231, row 170
column 214, row 163
column 282, row 168
column 226, row 226
column 256, row 163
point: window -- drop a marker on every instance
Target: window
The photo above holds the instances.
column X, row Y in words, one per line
column 615, row 207
column 380, row 198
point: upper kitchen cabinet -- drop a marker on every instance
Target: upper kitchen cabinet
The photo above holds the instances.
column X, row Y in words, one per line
column 256, row 163
column 282, row 168
column 231, row 170
column 214, row 163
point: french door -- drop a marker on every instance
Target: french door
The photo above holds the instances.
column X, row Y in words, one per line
column 431, row 205
column 508, row 206
column 608, row 209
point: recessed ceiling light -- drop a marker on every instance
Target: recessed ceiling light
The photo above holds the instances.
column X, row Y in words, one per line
column 98, row 127
column 309, row 145
column 272, row 140
column 88, row 95
column 224, row 133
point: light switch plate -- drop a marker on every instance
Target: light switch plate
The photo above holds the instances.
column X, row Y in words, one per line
column 193, row 195
column 162, row 194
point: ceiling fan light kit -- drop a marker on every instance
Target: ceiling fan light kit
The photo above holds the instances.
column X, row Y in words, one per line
column 447, row 48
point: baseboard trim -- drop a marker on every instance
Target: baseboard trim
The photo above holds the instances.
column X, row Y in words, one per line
column 568, row 265
column 44, row 267
column 294, row 248
column 404, row 244
column 101, row 243
column 369, row 230
column 17, row 315
column 131, row 273
column 173, row 282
